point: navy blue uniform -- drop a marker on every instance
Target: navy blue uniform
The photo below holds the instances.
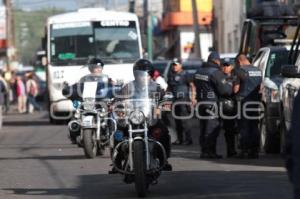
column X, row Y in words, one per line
column 179, row 86
column 210, row 84
column 229, row 125
column 249, row 78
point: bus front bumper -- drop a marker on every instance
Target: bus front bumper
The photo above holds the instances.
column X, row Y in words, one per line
column 61, row 108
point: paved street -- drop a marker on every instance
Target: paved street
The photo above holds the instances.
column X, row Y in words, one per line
column 38, row 161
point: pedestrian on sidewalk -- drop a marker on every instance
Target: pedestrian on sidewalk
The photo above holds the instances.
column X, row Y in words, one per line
column 2, row 95
column 21, row 94
column 6, row 97
column 32, row 91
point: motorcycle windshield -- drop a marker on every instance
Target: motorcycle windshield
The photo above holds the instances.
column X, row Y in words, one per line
column 95, row 87
column 137, row 94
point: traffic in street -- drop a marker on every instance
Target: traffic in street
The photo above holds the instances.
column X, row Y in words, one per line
column 150, row 99
column 38, row 161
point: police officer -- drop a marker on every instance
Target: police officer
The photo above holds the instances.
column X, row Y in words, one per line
column 210, row 84
column 95, row 66
column 228, row 108
column 247, row 90
column 75, row 91
column 180, row 83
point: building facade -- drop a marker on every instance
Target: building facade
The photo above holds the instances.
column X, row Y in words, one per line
column 228, row 21
column 177, row 25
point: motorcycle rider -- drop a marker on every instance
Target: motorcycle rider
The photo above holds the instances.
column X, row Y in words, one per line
column 95, row 66
column 74, row 92
column 138, row 85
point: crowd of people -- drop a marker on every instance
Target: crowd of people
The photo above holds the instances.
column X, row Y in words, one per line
column 216, row 92
column 20, row 90
column 223, row 95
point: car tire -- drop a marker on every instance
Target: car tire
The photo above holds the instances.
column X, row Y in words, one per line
column 270, row 141
column 283, row 134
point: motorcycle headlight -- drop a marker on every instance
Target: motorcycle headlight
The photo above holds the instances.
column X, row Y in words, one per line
column 89, row 104
column 102, row 112
column 137, row 117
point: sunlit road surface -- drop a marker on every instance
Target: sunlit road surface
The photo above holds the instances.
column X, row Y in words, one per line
column 38, row 161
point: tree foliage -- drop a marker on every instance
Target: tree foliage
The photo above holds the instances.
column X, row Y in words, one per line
column 30, row 28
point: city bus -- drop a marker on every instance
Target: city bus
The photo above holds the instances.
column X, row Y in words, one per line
column 72, row 38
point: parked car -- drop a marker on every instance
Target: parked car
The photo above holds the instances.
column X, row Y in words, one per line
column 269, row 60
column 289, row 88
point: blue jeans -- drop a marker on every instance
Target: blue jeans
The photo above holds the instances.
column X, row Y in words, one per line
column 31, row 100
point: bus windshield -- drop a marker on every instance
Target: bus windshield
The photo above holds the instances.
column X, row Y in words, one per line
column 74, row 44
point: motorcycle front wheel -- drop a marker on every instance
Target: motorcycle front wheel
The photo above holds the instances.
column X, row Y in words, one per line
column 139, row 161
column 89, row 143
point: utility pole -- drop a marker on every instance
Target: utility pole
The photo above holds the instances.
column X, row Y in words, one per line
column 145, row 8
column 196, row 29
column 150, row 36
column 10, row 34
column 149, row 27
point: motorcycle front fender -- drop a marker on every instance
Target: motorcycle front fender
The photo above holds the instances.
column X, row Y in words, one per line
column 87, row 122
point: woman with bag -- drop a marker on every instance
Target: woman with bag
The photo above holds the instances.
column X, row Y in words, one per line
column 32, row 91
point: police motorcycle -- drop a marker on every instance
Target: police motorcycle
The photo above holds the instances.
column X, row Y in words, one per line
column 136, row 152
column 91, row 125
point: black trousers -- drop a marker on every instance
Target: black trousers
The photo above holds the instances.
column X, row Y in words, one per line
column 249, row 132
column 183, row 125
column 229, row 126
column 209, row 132
column 164, row 138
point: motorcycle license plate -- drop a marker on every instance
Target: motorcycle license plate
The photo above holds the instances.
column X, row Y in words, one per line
column 87, row 121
